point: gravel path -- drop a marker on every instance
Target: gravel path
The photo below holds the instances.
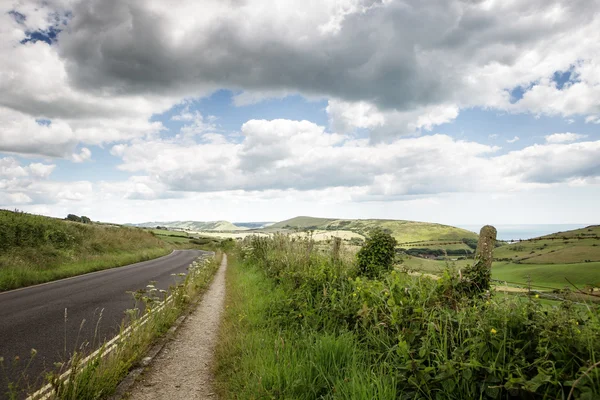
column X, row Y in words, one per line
column 182, row 369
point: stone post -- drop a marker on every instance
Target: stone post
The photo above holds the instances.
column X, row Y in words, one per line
column 485, row 246
column 478, row 276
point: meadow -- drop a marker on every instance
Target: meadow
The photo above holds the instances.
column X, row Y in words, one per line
column 305, row 324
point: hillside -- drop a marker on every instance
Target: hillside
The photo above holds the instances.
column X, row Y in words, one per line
column 35, row 249
column 303, row 223
column 404, row 231
column 254, row 225
column 576, row 246
column 194, row 225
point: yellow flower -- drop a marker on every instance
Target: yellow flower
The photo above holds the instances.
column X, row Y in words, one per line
column 537, row 296
column 493, row 331
column 354, row 294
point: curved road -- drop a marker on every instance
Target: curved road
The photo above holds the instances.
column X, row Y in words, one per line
column 34, row 317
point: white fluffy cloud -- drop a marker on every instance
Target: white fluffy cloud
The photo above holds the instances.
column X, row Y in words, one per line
column 19, row 183
column 300, row 155
column 564, row 137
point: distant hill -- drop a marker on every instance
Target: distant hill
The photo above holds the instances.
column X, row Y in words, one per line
column 303, row 223
column 254, row 225
column 403, row 231
column 575, row 246
column 194, row 225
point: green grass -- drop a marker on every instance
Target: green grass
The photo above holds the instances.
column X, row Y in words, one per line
column 36, row 249
column 551, row 275
column 576, row 246
column 163, row 232
column 256, row 358
column 302, row 324
column 429, row 266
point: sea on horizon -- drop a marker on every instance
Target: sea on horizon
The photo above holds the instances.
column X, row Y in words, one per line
column 526, row 231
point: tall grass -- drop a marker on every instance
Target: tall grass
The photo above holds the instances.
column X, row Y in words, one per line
column 36, row 249
column 303, row 324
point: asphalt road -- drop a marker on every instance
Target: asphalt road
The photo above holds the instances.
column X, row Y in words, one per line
column 34, row 317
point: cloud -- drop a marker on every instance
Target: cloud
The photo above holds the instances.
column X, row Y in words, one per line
column 84, row 155
column 302, row 156
column 553, row 163
column 564, row 137
column 18, row 182
column 392, row 68
column 513, row 140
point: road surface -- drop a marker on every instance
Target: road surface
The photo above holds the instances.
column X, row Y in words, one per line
column 34, row 317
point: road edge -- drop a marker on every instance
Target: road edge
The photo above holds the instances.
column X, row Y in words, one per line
column 127, row 383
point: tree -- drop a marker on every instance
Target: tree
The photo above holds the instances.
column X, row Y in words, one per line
column 377, row 255
column 73, row 217
column 85, row 220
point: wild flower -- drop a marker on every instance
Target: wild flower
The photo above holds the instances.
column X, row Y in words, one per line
column 493, row 331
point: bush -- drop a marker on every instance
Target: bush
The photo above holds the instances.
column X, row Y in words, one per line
column 74, row 218
column 414, row 338
column 377, row 255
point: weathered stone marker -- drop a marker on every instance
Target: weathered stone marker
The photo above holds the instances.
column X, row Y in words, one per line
column 476, row 278
column 485, row 246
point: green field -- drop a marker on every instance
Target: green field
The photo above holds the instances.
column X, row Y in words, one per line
column 402, row 231
column 576, row 246
column 551, row 275
column 164, row 232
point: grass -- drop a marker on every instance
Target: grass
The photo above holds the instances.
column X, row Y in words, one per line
column 547, row 251
column 36, row 249
column 101, row 375
column 163, row 232
column 16, row 277
column 258, row 359
column 551, row 275
column 303, row 324
column 430, row 266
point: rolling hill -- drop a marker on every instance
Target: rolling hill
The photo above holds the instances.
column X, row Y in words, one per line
column 194, row 225
column 576, row 246
column 403, row 231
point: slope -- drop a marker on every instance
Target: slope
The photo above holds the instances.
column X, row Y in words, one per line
column 35, row 249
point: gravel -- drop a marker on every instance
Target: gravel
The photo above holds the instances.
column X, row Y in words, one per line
column 182, row 370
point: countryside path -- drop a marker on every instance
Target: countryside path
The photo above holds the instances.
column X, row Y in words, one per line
column 182, row 368
column 34, row 317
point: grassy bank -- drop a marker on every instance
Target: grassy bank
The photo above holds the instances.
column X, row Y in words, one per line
column 36, row 249
column 305, row 325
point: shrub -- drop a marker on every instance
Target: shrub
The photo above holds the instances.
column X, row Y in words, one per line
column 377, row 255
column 74, row 218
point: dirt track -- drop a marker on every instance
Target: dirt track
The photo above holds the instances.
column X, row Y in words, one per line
column 182, row 369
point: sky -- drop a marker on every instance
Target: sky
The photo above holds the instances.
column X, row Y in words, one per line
column 450, row 111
